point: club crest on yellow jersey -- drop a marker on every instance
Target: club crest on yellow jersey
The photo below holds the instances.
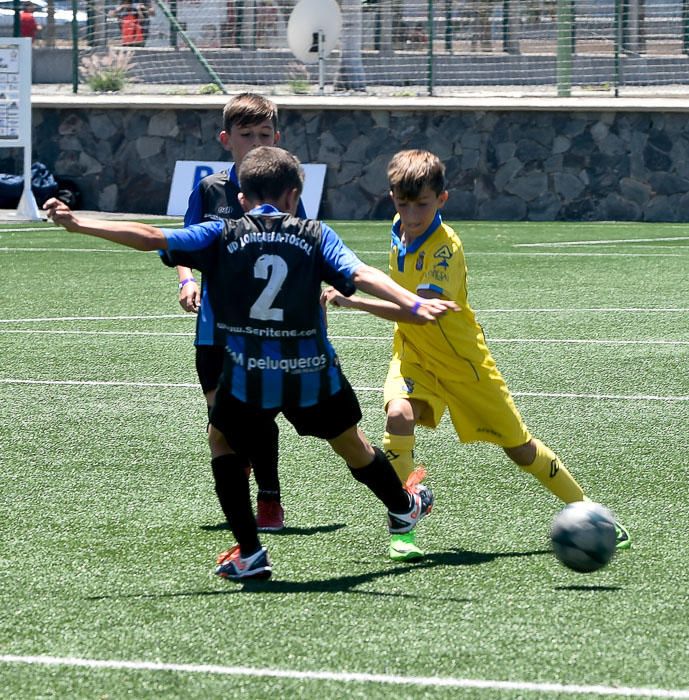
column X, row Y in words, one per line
column 443, row 254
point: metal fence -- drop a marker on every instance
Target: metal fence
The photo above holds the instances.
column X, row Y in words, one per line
column 383, row 47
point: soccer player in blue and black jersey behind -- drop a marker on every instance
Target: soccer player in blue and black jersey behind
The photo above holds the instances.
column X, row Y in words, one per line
column 249, row 120
column 267, row 269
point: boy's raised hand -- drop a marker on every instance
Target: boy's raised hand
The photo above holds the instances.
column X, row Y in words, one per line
column 59, row 213
column 330, row 295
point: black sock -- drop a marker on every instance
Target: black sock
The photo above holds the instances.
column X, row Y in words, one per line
column 381, row 478
column 224, row 477
column 264, row 460
column 232, row 488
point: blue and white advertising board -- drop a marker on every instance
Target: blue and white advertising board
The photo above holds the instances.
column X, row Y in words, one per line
column 189, row 172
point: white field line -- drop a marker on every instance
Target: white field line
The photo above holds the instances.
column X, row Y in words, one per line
column 646, row 246
column 52, row 228
column 28, row 229
column 560, row 310
column 362, row 389
column 388, row 338
column 577, row 341
column 333, row 312
column 120, row 250
column 659, row 247
column 129, row 334
column 567, row 395
column 592, row 310
column 599, row 397
column 8, row 249
column 586, row 255
column 95, row 382
column 511, row 225
column 345, row 677
column 556, row 244
column 558, row 254
column 49, row 319
column 532, row 341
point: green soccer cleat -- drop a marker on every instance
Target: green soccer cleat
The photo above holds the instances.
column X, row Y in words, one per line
column 403, row 547
column 622, row 539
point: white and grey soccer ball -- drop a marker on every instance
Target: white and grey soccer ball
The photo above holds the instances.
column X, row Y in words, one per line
column 583, row 536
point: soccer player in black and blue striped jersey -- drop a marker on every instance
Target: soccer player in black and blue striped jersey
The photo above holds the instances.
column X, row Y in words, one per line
column 267, row 270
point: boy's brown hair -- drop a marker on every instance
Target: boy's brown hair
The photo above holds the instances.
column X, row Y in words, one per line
column 410, row 171
column 247, row 109
column 267, row 172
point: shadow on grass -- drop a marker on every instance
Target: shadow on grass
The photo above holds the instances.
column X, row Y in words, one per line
column 349, row 584
column 465, row 557
column 318, row 529
column 342, row 584
column 589, row 587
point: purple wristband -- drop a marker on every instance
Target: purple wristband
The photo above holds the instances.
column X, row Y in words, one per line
column 415, row 308
column 186, row 281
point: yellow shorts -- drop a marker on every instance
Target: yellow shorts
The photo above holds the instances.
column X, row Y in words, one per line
column 481, row 410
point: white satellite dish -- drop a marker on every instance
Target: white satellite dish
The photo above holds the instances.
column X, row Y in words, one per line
column 314, row 29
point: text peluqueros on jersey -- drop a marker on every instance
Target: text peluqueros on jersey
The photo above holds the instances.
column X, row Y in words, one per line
column 293, row 365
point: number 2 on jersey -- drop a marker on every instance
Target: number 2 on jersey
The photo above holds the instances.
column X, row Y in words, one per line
column 274, row 269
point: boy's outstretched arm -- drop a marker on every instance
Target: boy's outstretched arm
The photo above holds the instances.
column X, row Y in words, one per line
column 128, row 233
column 378, row 307
column 410, row 307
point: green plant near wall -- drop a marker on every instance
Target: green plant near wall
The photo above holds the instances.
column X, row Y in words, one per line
column 107, row 72
column 298, row 79
column 299, row 87
column 209, row 89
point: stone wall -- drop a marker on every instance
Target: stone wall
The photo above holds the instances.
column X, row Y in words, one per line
column 516, row 164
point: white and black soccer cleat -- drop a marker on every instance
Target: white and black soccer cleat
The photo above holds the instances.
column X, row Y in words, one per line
column 422, row 504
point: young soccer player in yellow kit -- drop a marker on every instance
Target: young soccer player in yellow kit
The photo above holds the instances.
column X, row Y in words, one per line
column 446, row 364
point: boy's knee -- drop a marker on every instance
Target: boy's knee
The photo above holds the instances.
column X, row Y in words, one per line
column 400, row 417
column 522, row 455
column 217, row 443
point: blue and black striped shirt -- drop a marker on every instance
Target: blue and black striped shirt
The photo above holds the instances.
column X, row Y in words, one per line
column 264, row 275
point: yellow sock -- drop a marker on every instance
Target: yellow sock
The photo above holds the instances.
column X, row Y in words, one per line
column 399, row 449
column 550, row 471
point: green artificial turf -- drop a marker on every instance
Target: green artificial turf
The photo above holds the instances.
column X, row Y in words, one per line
column 110, row 524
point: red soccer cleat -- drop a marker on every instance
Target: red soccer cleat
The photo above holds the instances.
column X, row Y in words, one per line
column 270, row 516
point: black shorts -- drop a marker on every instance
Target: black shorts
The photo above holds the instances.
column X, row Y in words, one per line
column 243, row 424
column 209, row 361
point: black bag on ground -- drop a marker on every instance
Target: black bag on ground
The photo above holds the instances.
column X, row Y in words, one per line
column 43, row 186
column 11, row 188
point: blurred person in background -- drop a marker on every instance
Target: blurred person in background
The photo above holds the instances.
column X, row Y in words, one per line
column 28, row 27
